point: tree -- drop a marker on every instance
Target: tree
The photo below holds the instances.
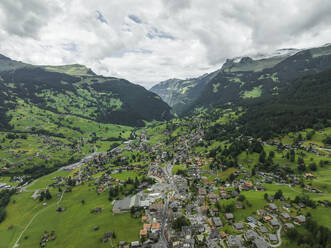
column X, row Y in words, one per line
column 278, row 194
column 292, row 155
column 232, row 177
column 230, row 208
column 302, row 167
column 42, row 196
column 292, row 234
column 262, row 157
column 241, row 198
column 179, row 222
column 266, row 196
column 48, row 195
column 300, row 160
column 312, row 167
column 218, row 205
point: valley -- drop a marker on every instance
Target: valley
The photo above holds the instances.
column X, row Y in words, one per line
column 242, row 160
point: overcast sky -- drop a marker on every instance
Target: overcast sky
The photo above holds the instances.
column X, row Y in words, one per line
column 147, row 41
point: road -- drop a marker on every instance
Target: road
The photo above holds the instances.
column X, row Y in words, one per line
column 163, row 241
column 81, row 162
column 169, row 183
column 279, row 238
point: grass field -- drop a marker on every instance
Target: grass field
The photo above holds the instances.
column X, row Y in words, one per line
column 255, row 92
column 125, row 175
column 23, row 208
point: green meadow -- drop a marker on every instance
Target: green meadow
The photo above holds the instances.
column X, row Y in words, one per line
column 22, row 209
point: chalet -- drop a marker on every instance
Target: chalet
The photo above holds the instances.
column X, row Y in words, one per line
column 143, row 233
column 288, row 226
column 238, row 226
column 215, row 211
column 212, row 197
column 260, row 243
column 301, row 205
column 248, row 185
column 35, row 195
column 272, row 207
column 197, row 228
column 214, row 235
column 143, row 218
column 261, row 212
column 224, row 195
column 229, row 216
column 135, row 244
column 239, row 204
column 204, row 210
column 263, row 230
column 235, row 193
column 251, row 219
column 250, row 235
column 156, row 207
column 234, row 241
column 300, row 219
column 223, row 235
column 273, row 238
column 217, row 222
column 267, row 218
column 155, row 227
column 274, row 223
column 286, row 207
column 147, row 226
column 285, row 216
column 202, row 192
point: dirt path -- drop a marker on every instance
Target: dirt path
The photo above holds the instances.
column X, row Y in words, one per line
column 26, row 227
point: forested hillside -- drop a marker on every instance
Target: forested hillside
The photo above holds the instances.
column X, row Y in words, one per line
column 305, row 103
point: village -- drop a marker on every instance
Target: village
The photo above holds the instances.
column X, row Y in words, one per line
column 180, row 196
column 184, row 209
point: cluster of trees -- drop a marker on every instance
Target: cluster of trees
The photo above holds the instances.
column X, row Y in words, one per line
column 327, row 140
column 305, row 200
column 16, row 136
column 278, row 195
column 179, row 222
column 116, row 191
column 314, row 235
column 45, row 195
column 4, row 200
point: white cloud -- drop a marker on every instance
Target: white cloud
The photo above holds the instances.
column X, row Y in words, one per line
column 149, row 41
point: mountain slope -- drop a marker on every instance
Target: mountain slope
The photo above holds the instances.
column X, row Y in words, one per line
column 78, row 91
column 179, row 94
column 248, row 78
column 305, row 103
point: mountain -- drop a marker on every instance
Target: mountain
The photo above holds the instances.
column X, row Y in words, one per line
column 243, row 78
column 305, row 103
column 179, row 94
column 248, row 78
column 76, row 90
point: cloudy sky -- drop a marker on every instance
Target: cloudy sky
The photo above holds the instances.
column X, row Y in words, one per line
column 146, row 41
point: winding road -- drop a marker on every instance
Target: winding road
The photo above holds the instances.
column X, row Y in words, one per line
column 279, row 238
